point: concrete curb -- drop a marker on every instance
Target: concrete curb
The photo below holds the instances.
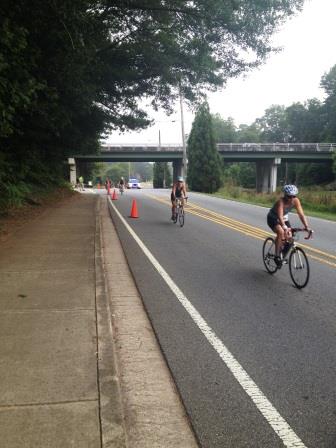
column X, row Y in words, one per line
column 111, row 412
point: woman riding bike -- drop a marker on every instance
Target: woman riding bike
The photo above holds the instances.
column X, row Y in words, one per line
column 178, row 191
column 277, row 218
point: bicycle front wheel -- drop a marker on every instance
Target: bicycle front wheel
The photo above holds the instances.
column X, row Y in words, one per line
column 181, row 216
column 299, row 267
column 269, row 255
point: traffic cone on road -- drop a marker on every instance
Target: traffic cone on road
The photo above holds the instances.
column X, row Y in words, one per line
column 114, row 195
column 134, row 210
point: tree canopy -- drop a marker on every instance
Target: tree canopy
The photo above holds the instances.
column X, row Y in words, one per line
column 204, row 162
column 72, row 70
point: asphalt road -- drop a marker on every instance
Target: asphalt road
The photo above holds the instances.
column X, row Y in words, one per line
column 255, row 362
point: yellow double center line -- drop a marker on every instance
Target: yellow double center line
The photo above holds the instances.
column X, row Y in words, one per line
column 247, row 229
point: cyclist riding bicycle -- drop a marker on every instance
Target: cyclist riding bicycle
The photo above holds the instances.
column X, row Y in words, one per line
column 178, row 191
column 277, row 218
column 121, row 183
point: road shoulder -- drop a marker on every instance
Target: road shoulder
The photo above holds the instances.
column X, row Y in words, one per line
column 153, row 411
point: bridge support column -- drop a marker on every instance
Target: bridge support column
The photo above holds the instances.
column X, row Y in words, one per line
column 177, row 169
column 267, row 175
column 73, row 171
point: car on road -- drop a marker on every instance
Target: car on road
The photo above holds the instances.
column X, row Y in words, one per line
column 133, row 183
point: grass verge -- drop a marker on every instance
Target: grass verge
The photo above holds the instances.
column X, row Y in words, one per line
column 316, row 202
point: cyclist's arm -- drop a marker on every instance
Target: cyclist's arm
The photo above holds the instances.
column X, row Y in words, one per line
column 299, row 209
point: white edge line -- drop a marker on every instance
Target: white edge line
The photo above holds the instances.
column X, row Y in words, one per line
column 276, row 421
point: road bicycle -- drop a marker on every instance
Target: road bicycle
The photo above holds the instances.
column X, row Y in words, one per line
column 121, row 189
column 179, row 214
column 292, row 255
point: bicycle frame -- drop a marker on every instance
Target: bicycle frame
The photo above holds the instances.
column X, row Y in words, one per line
column 294, row 256
column 179, row 210
column 292, row 239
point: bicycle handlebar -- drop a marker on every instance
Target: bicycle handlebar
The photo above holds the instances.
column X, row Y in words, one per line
column 309, row 231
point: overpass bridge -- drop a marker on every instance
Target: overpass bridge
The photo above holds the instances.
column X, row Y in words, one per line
column 267, row 156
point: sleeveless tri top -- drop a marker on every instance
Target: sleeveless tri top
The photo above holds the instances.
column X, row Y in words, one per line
column 178, row 192
column 286, row 210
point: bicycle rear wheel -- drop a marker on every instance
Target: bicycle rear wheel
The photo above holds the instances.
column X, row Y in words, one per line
column 299, row 267
column 269, row 255
column 181, row 216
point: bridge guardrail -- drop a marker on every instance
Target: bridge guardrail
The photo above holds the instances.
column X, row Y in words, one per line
column 276, row 147
column 237, row 147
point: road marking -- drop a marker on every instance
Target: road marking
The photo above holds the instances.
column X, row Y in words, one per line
column 247, row 229
column 276, row 421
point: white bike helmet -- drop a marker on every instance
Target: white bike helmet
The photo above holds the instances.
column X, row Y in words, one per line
column 180, row 179
column 290, row 190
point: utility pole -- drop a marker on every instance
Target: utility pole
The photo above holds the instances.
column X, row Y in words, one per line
column 164, row 180
column 184, row 162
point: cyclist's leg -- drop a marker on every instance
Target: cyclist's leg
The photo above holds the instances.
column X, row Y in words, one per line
column 277, row 229
column 173, row 208
column 280, row 239
column 173, row 201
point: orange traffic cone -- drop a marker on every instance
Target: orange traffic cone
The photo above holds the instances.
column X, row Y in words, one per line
column 134, row 211
column 114, row 195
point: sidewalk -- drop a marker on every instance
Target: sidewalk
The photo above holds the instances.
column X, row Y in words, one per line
column 79, row 364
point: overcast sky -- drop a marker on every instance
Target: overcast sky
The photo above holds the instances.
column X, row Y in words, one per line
column 294, row 74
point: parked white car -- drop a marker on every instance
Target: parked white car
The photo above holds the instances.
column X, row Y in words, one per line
column 133, row 183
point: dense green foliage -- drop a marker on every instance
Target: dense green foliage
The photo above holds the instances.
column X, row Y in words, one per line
column 311, row 122
column 71, row 70
column 162, row 177
column 316, row 201
column 143, row 171
column 204, row 162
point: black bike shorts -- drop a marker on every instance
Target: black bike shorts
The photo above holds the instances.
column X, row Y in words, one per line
column 172, row 197
column 272, row 222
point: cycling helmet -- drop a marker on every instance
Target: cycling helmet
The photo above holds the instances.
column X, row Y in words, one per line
column 180, row 179
column 290, row 190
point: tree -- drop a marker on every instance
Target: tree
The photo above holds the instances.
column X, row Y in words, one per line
column 205, row 164
column 328, row 82
column 248, row 133
column 224, row 130
column 72, row 70
column 143, row 170
column 241, row 174
column 273, row 125
column 161, row 175
column 305, row 121
column 116, row 171
column 108, row 54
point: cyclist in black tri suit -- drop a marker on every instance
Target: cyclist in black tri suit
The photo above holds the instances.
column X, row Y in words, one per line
column 178, row 191
column 277, row 217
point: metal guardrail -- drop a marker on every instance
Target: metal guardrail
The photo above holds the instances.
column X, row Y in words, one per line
column 142, row 147
column 235, row 147
column 227, row 147
column 277, row 147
